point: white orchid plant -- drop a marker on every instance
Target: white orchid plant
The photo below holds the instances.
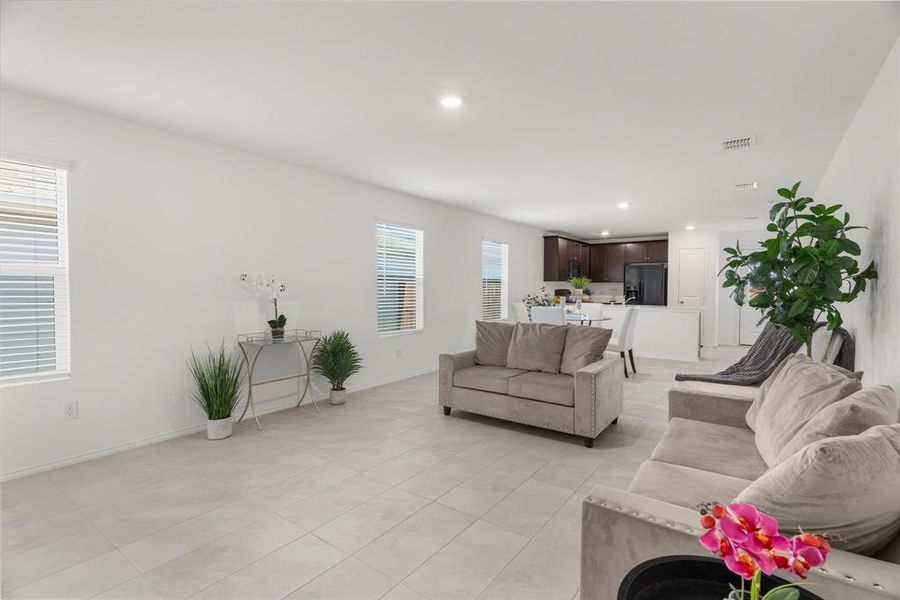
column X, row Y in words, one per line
column 269, row 288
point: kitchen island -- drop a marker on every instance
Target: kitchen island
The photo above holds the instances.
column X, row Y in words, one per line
column 661, row 331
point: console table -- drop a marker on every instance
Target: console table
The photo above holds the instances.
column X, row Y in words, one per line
column 253, row 345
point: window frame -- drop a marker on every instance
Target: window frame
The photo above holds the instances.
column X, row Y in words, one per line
column 420, row 277
column 61, row 273
column 504, row 280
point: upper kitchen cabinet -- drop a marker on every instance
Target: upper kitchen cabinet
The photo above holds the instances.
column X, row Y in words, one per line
column 560, row 253
column 607, row 263
column 647, row 252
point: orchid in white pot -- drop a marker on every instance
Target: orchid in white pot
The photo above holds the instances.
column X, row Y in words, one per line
column 270, row 289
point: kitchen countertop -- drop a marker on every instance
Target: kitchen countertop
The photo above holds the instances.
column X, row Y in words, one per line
column 654, row 307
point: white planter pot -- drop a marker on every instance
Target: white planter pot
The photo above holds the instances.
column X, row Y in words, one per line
column 337, row 397
column 219, row 429
column 577, row 293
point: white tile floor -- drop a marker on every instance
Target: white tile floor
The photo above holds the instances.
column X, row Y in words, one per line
column 384, row 497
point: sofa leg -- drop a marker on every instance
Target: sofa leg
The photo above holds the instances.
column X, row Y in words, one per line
column 624, row 364
column 446, row 410
column 614, row 421
column 588, row 442
column 631, row 356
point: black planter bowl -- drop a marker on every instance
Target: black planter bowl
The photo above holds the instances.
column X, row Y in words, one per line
column 689, row 578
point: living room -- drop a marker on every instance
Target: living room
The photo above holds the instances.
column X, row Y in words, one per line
column 319, row 201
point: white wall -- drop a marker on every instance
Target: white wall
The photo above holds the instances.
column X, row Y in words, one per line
column 863, row 176
column 708, row 241
column 161, row 226
column 729, row 317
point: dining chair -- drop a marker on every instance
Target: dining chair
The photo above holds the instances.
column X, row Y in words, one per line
column 554, row 315
column 624, row 342
column 520, row 312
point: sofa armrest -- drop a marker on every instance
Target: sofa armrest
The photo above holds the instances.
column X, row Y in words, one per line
column 710, row 403
column 599, row 397
column 620, row 530
column 448, row 364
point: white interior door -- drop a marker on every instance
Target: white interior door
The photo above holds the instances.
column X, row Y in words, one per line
column 749, row 330
column 748, row 317
column 691, row 277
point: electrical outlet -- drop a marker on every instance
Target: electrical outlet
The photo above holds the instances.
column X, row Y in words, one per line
column 70, row 410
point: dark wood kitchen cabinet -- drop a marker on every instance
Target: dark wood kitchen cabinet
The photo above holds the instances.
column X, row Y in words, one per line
column 647, row 252
column 607, row 263
column 558, row 251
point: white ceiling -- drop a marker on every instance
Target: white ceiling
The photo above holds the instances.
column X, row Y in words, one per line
column 570, row 107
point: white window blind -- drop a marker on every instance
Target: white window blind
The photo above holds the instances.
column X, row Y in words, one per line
column 399, row 279
column 494, row 281
column 34, row 270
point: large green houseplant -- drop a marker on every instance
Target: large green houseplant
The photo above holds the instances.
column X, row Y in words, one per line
column 218, row 378
column 804, row 270
column 336, row 358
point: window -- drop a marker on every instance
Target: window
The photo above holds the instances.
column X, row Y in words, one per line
column 399, row 279
column 494, row 281
column 34, row 275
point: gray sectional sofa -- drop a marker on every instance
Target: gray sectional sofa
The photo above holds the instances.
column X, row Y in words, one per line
column 549, row 376
column 811, row 446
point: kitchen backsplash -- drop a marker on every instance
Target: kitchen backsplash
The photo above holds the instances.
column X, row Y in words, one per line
column 598, row 289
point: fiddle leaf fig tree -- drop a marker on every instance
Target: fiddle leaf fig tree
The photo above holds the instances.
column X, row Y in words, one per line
column 804, row 270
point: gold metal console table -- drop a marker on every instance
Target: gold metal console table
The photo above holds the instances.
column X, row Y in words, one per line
column 260, row 341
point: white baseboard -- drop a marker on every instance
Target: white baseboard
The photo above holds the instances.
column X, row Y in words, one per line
column 264, row 409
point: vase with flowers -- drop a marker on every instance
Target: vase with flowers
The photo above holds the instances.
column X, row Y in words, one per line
column 269, row 288
column 749, row 542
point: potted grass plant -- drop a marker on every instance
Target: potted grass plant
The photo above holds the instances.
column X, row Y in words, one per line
column 218, row 378
column 336, row 358
column 579, row 283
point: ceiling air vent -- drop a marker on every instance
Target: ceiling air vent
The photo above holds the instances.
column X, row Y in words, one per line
column 741, row 143
column 750, row 185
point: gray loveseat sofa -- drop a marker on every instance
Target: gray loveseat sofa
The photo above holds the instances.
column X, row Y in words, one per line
column 788, row 465
column 549, row 376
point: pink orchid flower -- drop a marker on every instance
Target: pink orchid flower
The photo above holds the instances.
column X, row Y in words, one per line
column 807, row 551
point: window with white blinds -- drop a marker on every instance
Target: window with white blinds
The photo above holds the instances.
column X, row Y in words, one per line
column 34, row 270
column 399, row 279
column 494, row 282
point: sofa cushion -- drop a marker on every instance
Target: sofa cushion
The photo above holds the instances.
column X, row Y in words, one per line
column 854, row 414
column 584, row 345
column 710, row 447
column 847, row 486
column 486, row 379
column 492, row 342
column 536, row 347
column 684, row 486
column 798, row 389
column 546, row 387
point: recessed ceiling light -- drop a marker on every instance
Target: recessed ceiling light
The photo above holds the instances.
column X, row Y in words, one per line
column 604, row 233
column 623, row 205
column 689, row 227
column 451, row 101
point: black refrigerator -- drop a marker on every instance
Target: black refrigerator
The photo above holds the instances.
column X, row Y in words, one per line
column 645, row 283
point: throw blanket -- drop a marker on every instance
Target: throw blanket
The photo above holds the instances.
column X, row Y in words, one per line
column 772, row 346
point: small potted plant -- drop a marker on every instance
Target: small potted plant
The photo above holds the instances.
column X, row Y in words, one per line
column 579, row 283
column 218, row 378
column 266, row 286
column 336, row 358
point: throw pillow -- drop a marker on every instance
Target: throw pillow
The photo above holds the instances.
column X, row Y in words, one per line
column 536, row 347
column 854, row 414
column 584, row 345
column 846, row 486
column 492, row 342
column 798, row 389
